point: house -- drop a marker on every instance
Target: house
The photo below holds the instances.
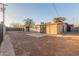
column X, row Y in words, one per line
column 40, row 28
column 75, row 29
column 69, row 27
column 56, row 28
column 52, row 28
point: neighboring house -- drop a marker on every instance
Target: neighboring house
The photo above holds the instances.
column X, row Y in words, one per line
column 40, row 28
column 75, row 29
column 70, row 27
column 52, row 28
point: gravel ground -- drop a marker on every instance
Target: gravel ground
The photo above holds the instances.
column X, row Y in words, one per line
column 25, row 45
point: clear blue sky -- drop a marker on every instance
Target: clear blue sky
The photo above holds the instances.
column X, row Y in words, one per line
column 42, row 12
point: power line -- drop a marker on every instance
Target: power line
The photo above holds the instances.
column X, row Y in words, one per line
column 56, row 9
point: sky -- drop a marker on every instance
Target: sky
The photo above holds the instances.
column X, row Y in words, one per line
column 41, row 12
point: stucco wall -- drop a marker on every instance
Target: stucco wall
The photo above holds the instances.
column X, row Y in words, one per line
column 37, row 28
column 65, row 28
column 51, row 29
column 59, row 28
column 62, row 28
column 54, row 28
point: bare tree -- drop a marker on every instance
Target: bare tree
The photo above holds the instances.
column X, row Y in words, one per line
column 28, row 23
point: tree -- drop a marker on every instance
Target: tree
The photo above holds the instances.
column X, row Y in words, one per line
column 28, row 23
column 59, row 19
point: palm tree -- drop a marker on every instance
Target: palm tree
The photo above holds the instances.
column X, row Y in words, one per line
column 28, row 23
column 59, row 19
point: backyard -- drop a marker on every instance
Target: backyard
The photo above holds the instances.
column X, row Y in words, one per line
column 37, row 44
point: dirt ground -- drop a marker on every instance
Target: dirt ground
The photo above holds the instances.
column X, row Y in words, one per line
column 25, row 45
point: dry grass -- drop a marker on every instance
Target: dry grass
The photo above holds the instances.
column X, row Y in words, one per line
column 43, row 46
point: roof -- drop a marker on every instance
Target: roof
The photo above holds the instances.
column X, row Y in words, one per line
column 50, row 24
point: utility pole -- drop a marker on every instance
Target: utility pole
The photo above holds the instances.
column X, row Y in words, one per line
column 3, row 23
column 73, row 21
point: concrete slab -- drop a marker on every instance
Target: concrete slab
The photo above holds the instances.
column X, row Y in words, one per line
column 6, row 48
column 37, row 34
column 61, row 35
